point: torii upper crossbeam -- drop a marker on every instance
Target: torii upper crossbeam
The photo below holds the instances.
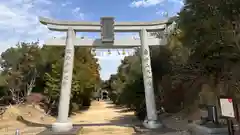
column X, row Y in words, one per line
column 57, row 25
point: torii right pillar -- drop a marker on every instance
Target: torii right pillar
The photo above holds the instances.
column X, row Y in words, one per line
column 151, row 120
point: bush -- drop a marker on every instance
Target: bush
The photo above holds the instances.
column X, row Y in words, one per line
column 173, row 105
column 113, row 96
column 74, row 107
column 141, row 112
column 86, row 101
column 34, row 98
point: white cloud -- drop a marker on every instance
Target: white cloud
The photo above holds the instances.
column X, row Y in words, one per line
column 19, row 21
column 64, row 4
column 44, row 1
column 181, row 2
column 48, row 2
column 77, row 13
column 145, row 3
column 148, row 3
column 76, row 10
column 162, row 13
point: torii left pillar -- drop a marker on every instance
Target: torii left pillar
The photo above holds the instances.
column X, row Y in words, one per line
column 63, row 123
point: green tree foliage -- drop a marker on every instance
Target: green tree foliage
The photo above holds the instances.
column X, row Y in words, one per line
column 20, row 66
column 52, row 86
column 203, row 49
column 28, row 68
column 211, row 34
column 85, row 79
column 126, row 87
column 86, row 76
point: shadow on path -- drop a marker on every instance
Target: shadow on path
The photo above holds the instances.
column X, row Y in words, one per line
column 81, row 110
column 122, row 121
column 126, row 120
column 114, row 106
column 124, row 110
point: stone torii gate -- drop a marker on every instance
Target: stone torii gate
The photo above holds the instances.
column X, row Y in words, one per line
column 107, row 27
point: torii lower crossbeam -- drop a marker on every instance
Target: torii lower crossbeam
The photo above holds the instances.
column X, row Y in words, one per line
column 118, row 43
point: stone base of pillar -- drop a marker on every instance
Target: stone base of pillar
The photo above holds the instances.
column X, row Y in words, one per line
column 61, row 127
column 152, row 124
column 75, row 130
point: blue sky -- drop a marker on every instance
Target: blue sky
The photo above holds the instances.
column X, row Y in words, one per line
column 19, row 20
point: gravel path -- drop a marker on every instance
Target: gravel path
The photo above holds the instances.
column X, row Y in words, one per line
column 103, row 118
